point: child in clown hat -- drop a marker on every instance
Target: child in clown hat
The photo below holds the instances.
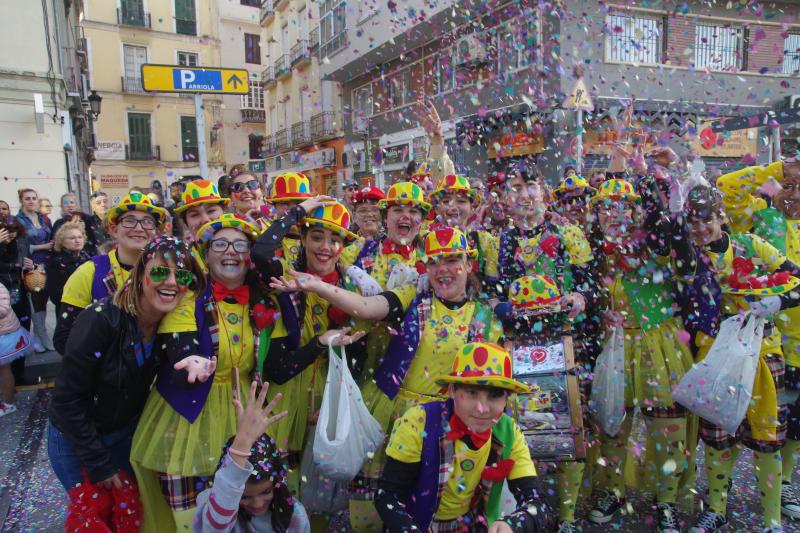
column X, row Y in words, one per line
column 468, row 437
column 288, row 191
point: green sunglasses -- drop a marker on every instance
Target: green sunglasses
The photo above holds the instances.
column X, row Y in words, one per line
column 159, row 274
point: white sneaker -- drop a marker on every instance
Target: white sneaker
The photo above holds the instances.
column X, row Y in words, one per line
column 790, row 505
column 773, row 529
column 708, row 522
column 7, row 408
column 38, row 348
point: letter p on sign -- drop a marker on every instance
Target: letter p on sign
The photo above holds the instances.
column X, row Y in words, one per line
column 187, row 77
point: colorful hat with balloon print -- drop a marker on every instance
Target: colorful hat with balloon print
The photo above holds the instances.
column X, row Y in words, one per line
column 207, row 231
column 483, row 363
column 423, row 171
column 137, row 201
column 334, row 217
column 615, row 189
column 573, row 186
column 405, row 193
column 534, row 292
column 455, row 183
column 290, row 187
column 198, row 193
column 445, row 242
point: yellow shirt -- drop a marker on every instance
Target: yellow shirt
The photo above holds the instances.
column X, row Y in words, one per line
column 740, row 193
column 236, row 342
column 578, row 251
column 405, row 445
column 78, row 289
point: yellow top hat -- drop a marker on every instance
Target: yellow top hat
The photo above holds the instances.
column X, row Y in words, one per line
column 483, row 363
column 290, row 187
column 198, row 193
column 615, row 189
column 455, row 183
column 405, row 193
column 137, row 201
column 573, row 186
column 207, row 231
column 534, row 292
column 447, row 241
column 334, row 217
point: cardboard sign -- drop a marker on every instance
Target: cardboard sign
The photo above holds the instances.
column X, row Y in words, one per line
column 530, row 359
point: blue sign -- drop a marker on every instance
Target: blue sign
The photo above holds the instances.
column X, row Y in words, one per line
column 198, row 80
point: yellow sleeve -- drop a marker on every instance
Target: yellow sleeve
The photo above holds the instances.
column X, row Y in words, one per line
column 406, row 294
column 405, row 441
column 180, row 319
column 350, row 253
column 521, row 455
column 441, row 164
column 490, row 246
column 496, row 331
column 78, row 289
column 576, row 244
column 740, row 193
column 769, row 255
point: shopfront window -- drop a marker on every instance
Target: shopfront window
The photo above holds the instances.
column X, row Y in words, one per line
column 634, row 39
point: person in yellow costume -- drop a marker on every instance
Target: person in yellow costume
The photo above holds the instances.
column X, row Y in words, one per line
column 132, row 223
column 289, row 190
column 182, row 428
column 756, row 277
column 200, row 204
column 367, row 218
column 766, row 202
column 296, row 363
column 479, row 447
column 432, row 326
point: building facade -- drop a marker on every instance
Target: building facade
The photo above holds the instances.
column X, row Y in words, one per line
column 149, row 140
column 304, row 128
column 499, row 74
column 45, row 126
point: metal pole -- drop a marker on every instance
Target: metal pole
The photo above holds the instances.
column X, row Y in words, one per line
column 775, row 153
column 579, row 141
column 200, row 119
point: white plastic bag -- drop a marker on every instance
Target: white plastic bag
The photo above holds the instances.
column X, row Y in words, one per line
column 607, row 401
column 319, row 494
column 346, row 431
column 719, row 387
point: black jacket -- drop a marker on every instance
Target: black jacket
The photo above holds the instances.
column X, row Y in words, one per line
column 60, row 267
column 11, row 256
column 101, row 387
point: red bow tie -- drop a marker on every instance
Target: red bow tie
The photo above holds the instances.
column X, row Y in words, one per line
column 332, row 277
column 622, row 255
column 389, row 247
column 241, row 293
column 458, row 430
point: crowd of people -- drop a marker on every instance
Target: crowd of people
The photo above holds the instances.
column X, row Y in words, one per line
column 168, row 309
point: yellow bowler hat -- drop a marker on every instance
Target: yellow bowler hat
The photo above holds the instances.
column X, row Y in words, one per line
column 137, row 201
column 198, row 193
column 573, row 186
column 290, row 187
column 455, row 183
column 334, row 217
column 228, row 220
column 447, row 241
column 534, row 292
column 405, row 193
column 483, row 363
column 615, row 189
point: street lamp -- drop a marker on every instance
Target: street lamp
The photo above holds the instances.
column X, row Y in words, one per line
column 94, row 104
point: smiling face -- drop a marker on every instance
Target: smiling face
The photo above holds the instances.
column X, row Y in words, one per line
column 198, row 215
column 131, row 241
column 160, row 296
column 575, row 209
column 788, row 200
column 454, row 209
column 257, row 497
column 323, row 249
column 525, row 199
column 225, row 264
column 402, row 223
column 705, row 231
column 448, row 277
column 615, row 218
column 246, row 194
column 478, row 407
column 368, row 218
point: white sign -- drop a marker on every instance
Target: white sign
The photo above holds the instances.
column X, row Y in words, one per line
column 115, row 181
column 110, row 150
column 321, row 158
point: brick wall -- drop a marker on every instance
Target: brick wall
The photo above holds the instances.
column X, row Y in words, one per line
column 680, row 41
column 766, row 49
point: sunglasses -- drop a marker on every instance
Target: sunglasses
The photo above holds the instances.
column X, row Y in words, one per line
column 221, row 246
column 160, row 273
column 253, row 185
column 148, row 223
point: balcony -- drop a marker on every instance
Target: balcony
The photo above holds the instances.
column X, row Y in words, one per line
column 301, row 133
column 132, row 84
column 136, row 153
column 313, row 39
column 300, row 52
column 254, row 115
column 282, row 66
column 325, row 125
column 268, row 76
column 186, row 26
column 191, row 154
column 283, row 139
column 336, row 43
column 267, row 11
column 269, row 146
column 131, row 16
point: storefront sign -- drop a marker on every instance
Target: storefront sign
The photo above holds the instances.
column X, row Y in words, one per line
column 725, row 144
column 114, row 150
column 518, row 144
column 396, row 154
column 602, row 138
column 115, row 181
column 319, row 159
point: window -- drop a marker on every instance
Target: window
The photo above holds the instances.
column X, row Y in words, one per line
column 189, row 138
column 443, row 72
column 188, row 59
column 185, row 21
column 516, row 45
column 252, row 48
column 139, row 142
column 634, row 39
column 362, row 107
column 251, row 3
column 254, row 142
column 132, row 12
column 134, row 57
column 718, row 48
column 332, row 24
column 791, row 54
column 367, row 8
column 255, row 98
column 396, row 91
